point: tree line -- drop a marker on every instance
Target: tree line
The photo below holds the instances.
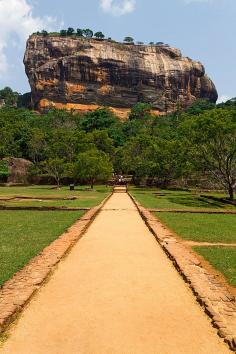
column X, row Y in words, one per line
column 88, row 33
column 186, row 145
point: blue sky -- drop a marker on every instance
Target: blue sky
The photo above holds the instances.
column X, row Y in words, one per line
column 203, row 29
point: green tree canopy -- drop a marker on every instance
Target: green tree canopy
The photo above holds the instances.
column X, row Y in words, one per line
column 79, row 32
column 200, row 106
column 212, row 138
column 140, row 111
column 129, row 40
column 99, row 35
column 63, row 33
column 101, row 118
column 44, row 33
column 70, row 31
column 88, row 33
column 9, row 96
column 56, row 168
column 93, row 166
column 4, row 171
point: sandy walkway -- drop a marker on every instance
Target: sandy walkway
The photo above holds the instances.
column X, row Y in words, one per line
column 115, row 293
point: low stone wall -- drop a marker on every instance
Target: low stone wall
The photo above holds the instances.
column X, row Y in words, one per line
column 17, row 292
column 210, row 292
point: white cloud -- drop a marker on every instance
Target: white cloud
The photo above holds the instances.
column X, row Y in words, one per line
column 223, row 98
column 118, row 7
column 16, row 18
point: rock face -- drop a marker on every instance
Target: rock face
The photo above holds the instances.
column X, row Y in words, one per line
column 19, row 169
column 2, row 103
column 83, row 74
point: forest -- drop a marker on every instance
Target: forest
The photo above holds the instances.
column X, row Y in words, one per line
column 187, row 148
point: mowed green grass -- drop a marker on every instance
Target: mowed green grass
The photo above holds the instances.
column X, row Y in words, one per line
column 167, row 199
column 221, row 258
column 201, row 227
column 213, row 228
column 25, row 233
column 86, row 199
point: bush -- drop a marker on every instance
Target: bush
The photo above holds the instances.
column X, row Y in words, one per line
column 4, row 171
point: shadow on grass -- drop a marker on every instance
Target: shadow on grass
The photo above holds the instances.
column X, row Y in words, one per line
column 190, row 201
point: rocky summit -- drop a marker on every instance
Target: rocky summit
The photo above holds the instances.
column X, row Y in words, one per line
column 83, row 74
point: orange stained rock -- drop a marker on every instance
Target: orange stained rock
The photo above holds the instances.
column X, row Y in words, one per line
column 104, row 89
column 42, row 84
column 74, row 88
column 121, row 113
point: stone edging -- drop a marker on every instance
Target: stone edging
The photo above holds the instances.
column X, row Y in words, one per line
column 40, row 208
column 210, row 292
column 18, row 291
column 193, row 211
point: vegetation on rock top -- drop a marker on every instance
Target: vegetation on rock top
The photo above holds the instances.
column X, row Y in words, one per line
column 88, row 33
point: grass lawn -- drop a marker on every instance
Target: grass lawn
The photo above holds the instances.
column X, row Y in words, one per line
column 167, row 199
column 221, row 258
column 85, row 199
column 25, row 233
column 197, row 227
column 201, row 227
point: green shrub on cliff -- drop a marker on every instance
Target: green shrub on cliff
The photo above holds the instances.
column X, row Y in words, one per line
column 63, row 33
column 129, row 40
column 79, row 32
column 99, row 35
column 70, row 31
column 88, row 33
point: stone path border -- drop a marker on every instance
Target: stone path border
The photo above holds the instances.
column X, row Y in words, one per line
column 192, row 211
column 17, row 292
column 41, row 208
column 35, row 198
column 210, row 244
column 210, row 292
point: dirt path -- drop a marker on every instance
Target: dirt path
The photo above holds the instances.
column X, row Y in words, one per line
column 116, row 293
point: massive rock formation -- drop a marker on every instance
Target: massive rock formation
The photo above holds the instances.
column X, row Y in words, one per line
column 18, row 169
column 83, row 74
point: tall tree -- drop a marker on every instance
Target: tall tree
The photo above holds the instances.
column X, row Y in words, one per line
column 93, row 166
column 55, row 167
column 212, row 137
column 37, row 145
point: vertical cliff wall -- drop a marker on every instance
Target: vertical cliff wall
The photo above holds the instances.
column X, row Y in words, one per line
column 82, row 74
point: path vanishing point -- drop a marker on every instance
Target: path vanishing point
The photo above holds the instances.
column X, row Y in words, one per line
column 115, row 293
